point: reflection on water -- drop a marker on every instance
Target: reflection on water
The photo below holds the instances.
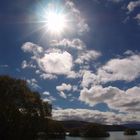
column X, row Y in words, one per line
column 113, row 136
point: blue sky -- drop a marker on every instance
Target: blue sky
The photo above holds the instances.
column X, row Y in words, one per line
column 91, row 70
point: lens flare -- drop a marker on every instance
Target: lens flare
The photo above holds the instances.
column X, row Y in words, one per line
column 55, row 22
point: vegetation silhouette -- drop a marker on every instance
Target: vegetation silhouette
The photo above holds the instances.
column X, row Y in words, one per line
column 130, row 131
column 75, row 132
column 23, row 115
column 94, row 130
column 90, row 130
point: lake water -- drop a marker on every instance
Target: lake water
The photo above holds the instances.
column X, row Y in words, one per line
column 113, row 136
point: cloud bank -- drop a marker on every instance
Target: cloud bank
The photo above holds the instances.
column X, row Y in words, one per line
column 93, row 116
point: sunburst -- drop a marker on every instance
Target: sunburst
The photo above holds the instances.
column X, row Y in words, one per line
column 55, row 22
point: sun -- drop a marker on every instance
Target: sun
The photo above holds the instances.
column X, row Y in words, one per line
column 55, row 22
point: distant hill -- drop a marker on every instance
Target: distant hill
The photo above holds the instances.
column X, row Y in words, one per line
column 133, row 125
column 78, row 124
column 74, row 124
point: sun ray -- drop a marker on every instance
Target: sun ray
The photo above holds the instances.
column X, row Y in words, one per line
column 55, row 22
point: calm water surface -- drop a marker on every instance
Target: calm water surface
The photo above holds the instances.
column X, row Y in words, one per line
column 113, row 136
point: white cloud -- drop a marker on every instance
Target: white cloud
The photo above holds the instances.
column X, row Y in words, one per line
column 89, row 78
column 78, row 21
column 46, row 93
column 37, row 72
column 48, row 76
column 56, row 63
column 25, row 64
column 33, row 83
column 62, row 94
column 53, row 61
column 126, row 69
column 122, row 100
column 75, row 88
column 93, row 116
column 132, row 5
column 32, row 48
column 87, row 55
column 49, row 99
column 73, row 75
column 46, row 96
column 66, row 43
column 98, row 94
column 64, row 87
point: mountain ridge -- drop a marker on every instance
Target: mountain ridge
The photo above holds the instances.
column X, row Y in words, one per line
column 70, row 124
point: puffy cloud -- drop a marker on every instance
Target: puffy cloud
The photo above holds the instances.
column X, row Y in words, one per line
column 46, row 93
column 83, row 55
column 93, row 116
column 64, row 87
column 73, row 75
column 132, row 5
column 87, row 55
column 122, row 100
column 126, row 69
column 32, row 48
column 50, row 62
column 56, row 63
column 89, row 78
column 97, row 94
column 75, row 43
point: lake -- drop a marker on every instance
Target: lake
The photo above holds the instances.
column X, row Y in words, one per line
column 113, row 136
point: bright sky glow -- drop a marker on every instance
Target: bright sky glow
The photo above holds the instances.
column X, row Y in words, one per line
column 55, row 22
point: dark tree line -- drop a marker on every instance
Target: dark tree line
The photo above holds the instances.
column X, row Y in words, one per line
column 22, row 112
column 90, row 130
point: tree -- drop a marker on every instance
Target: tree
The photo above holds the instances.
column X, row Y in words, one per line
column 22, row 111
column 55, row 129
column 75, row 132
column 47, row 108
column 130, row 131
column 94, row 130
